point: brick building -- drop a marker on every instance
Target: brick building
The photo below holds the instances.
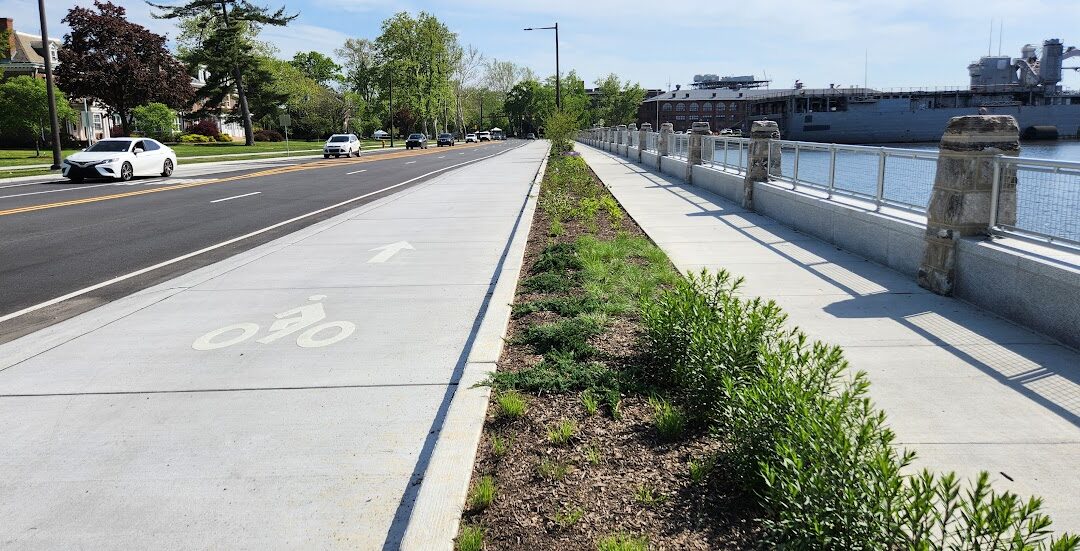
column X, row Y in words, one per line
column 720, row 101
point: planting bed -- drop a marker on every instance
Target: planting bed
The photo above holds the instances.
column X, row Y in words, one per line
column 615, row 481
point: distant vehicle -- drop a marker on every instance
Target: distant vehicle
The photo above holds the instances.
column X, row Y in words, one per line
column 498, row 134
column 416, row 140
column 470, row 138
column 725, row 132
column 381, row 135
column 530, row 136
column 445, row 139
column 120, row 158
column 341, row 144
column 484, row 136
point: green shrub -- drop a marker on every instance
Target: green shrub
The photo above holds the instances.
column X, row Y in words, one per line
column 511, row 405
column 701, row 468
column 194, row 138
column 698, row 333
column 614, row 211
column 470, row 538
column 558, row 373
column 622, row 542
column 500, row 445
column 549, row 282
column 560, row 257
column 620, row 273
column 569, row 336
column 560, row 127
column 590, row 402
column 224, row 138
column 586, row 212
column 556, row 228
column 670, row 423
column 482, row 494
column 564, row 306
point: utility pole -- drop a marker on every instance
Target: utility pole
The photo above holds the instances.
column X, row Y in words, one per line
column 49, row 87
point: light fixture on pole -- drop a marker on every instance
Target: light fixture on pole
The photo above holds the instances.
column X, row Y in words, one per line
column 558, row 76
column 49, row 86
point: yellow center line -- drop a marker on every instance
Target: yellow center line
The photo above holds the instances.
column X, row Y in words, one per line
column 326, row 163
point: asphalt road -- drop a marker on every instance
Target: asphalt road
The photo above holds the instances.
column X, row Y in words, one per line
column 59, row 238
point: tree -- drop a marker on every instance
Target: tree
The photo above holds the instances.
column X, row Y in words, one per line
column 317, row 67
column 617, row 102
column 155, row 120
column 528, row 104
column 417, row 53
column 229, row 45
column 118, row 63
column 24, row 109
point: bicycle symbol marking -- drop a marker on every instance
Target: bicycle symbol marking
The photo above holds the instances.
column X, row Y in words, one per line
column 288, row 322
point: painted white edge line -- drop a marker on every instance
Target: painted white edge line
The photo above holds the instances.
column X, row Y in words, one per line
column 236, row 197
column 228, row 242
column 410, row 162
column 436, row 514
column 355, row 172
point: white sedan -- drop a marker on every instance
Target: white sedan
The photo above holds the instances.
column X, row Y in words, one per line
column 120, row 158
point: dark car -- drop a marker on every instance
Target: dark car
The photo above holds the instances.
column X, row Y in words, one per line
column 416, row 140
column 445, row 139
column 530, row 136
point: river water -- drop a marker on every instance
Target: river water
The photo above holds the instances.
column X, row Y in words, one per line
column 1048, row 202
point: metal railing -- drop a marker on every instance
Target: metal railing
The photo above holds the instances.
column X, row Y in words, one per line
column 1037, row 199
column 884, row 175
column 651, row 141
column 727, row 153
column 679, row 146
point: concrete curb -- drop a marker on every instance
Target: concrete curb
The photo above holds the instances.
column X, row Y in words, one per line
column 436, row 514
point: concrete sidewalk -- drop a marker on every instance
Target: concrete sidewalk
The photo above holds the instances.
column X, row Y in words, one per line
column 289, row 397
column 966, row 389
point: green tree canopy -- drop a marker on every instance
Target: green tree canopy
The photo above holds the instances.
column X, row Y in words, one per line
column 617, row 102
column 118, row 63
column 317, row 67
column 24, row 109
column 155, row 120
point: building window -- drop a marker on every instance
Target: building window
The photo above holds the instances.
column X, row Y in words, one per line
column 734, row 106
column 694, row 107
column 680, row 107
column 52, row 54
column 680, row 117
column 720, row 107
column 706, row 106
column 667, row 107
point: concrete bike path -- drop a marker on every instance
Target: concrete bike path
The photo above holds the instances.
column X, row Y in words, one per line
column 965, row 389
column 288, row 397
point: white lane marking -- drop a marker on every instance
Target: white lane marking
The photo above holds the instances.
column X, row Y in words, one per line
column 56, row 190
column 236, row 197
column 462, row 153
column 228, row 242
column 410, row 162
column 36, row 183
column 355, row 172
column 389, row 251
column 442, row 157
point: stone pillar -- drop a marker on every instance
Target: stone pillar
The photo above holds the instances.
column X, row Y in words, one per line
column 698, row 131
column 757, row 163
column 643, row 138
column 662, row 144
column 960, row 201
column 620, row 134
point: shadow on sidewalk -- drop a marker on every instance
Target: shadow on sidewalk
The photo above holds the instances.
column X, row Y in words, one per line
column 1001, row 349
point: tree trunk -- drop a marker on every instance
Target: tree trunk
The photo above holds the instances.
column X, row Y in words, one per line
column 123, row 120
column 249, row 134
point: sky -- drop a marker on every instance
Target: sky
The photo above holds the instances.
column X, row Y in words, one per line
column 892, row 44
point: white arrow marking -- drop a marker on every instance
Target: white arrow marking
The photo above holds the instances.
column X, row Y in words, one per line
column 389, row 251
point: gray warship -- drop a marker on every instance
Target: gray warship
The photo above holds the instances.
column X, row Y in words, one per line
column 1028, row 88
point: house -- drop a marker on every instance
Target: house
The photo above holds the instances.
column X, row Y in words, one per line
column 720, row 101
column 24, row 55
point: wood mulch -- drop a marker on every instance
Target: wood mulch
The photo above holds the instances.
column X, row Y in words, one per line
column 610, row 464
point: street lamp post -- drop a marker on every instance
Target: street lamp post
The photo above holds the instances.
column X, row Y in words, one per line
column 558, row 76
column 49, row 87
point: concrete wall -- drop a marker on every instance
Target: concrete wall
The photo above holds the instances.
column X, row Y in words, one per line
column 1037, row 292
column 650, row 159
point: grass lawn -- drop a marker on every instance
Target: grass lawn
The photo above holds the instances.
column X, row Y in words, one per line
column 24, row 157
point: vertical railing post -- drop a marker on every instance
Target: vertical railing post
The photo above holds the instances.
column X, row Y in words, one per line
column 995, row 193
column 795, row 176
column 879, row 197
column 726, row 142
column 832, row 168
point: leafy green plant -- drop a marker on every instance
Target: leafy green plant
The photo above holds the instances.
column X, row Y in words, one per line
column 500, row 446
column 568, row 517
column 549, row 282
column 482, row 494
column 561, row 433
column 593, row 454
column 470, row 538
column 564, row 306
column 569, row 336
column 647, row 496
column 558, row 372
column 613, row 400
column 556, row 228
column 614, row 211
column 701, row 468
column 621, row 272
column 622, row 542
column 670, row 423
column 559, row 257
column 511, row 405
column 560, row 127
column 590, row 402
column 586, row 212
column 551, row 469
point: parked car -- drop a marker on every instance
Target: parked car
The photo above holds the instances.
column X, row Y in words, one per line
column 725, row 132
column 341, row 144
column 445, row 139
column 381, row 135
column 416, row 140
column 470, row 138
column 120, row 158
column 484, row 136
column 498, row 134
column 530, row 136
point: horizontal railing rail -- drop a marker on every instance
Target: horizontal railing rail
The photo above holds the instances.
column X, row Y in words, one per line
column 727, row 153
